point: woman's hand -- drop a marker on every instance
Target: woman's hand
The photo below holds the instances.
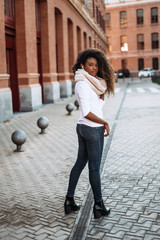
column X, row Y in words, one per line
column 106, row 128
column 91, row 116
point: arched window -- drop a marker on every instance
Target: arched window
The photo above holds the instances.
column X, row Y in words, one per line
column 78, row 39
column 90, row 42
column 37, row 8
column 93, row 9
column 9, row 12
column 59, row 41
column 85, row 40
column 70, row 44
column 9, row 8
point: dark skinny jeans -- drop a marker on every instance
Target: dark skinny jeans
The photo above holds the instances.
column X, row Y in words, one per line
column 91, row 140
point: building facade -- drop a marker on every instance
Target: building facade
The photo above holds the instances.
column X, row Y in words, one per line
column 133, row 34
column 39, row 42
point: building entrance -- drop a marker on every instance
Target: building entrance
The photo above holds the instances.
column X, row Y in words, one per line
column 12, row 70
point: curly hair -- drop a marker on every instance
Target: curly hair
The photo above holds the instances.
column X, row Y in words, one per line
column 105, row 69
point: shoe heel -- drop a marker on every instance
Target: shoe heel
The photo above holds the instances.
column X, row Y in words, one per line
column 67, row 209
column 97, row 214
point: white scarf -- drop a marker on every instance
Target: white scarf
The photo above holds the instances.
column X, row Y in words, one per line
column 97, row 84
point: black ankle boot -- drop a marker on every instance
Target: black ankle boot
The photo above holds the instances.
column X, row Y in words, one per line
column 100, row 210
column 70, row 205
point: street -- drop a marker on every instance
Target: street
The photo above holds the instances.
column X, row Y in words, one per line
column 34, row 182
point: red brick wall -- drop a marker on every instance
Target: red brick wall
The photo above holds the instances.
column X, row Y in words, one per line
column 131, row 31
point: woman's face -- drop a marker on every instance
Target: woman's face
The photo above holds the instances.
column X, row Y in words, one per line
column 91, row 66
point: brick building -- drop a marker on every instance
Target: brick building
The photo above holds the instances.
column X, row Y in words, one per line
column 133, row 34
column 39, row 42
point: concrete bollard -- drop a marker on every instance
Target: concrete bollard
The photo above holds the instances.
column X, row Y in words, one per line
column 42, row 123
column 76, row 103
column 19, row 137
column 69, row 108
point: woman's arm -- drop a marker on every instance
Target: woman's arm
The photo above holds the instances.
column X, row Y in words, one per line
column 91, row 116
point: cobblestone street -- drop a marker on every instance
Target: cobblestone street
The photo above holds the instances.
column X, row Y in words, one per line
column 34, row 182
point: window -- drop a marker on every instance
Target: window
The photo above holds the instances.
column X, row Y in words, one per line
column 85, row 39
column 93, row 8
column 123, row 19
column 140, row 64
column 140, row 41
column 155, row 63
column 124, row 43
column 9, row 8
column 9, row 12
column 97, row 14
column 139, row 16
column 155, row 41
column 78, row 39
column 108, row 20
column 86, row 3
column 37, row 9
column 90, row 42
column 154, row 15
column 109, row 46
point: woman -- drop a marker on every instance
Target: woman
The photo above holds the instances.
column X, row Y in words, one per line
column 94, row 77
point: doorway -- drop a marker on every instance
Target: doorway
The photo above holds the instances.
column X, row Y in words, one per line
column 12, row 71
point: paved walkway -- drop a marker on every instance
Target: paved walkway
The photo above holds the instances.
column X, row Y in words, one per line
column 34, row 182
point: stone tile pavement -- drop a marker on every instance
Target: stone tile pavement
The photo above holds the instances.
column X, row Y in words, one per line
column 131, row 176
column 34, row 182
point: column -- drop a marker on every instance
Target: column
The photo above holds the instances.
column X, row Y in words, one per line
column 26, row 44
column 48, row 48
column 63, row 71
column 6, row 111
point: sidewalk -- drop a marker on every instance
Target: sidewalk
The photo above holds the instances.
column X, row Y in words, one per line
column 131, row 173
column 34, row 182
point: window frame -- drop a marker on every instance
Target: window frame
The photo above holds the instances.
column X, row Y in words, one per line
column 38, row 18
column 155, row 44
column 108, row 21
column 140, row 18
column 9, row 19
column 154, row 18
column 122, row 44
column 140, row 46
column 123, row 21
column 109, row 45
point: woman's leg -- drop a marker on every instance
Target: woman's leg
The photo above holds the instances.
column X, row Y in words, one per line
column 79, row 165
column 94, row 150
